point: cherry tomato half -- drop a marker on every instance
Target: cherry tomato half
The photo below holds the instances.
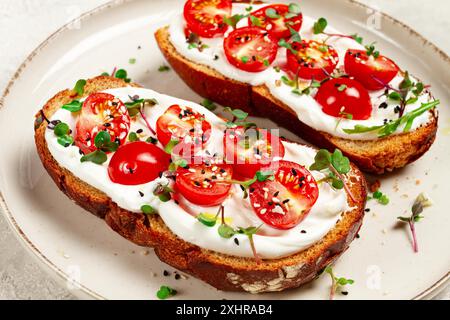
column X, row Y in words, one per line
column 373, row 73
column 184, row 125
column 312, row 59
column 204, row 185
column 345, row 98
column 137, row 163
column 251, row 49
column 273, row 19
column 101, row 112
column 249, row 150
column 206, row 17
column 284, row 202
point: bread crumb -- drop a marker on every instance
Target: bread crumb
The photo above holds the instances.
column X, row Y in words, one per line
column 278, row 83
column 145, row 253
column 418, row 182
column 384, row 231
column 375, row 186
column 405, row 196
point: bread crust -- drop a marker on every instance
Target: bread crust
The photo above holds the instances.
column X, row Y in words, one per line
column 221, row 271
column 375, row 156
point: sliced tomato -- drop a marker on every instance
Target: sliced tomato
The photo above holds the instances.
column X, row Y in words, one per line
column 251, row 49
column 284, row 202
column 373, row 73
column 273, row 19
column 204, row 185
column 312, row 59
column 345, row 98
column 249, row 150
column 184, row 125
column 101, row 112
column 137, row 163
column 206, row 17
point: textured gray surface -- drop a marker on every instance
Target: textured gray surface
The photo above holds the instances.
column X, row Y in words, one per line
column 26, row 23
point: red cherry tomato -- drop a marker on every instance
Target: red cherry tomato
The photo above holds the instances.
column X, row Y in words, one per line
column 249, row 150
column 345, row 98
column 284, row 202
column 205, row 17
column 101, row 112
column 312, row 59
column 251, row 49
column 272, row 18
column 372, row 72
column 184, row 125
column 137, row 163
column 204, row 185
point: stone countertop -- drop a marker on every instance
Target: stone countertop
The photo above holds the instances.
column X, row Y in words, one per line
column 24, row 24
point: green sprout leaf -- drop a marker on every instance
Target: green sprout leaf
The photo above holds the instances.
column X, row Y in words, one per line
column 226, row 232
column 165, row 292
column 79, row 87
column 169, row 147
column 322, row 160
column 61, row 129
column 320, row 26
column 272, row 14
column 237, row 113
column 263, row 176
column 97, row 157
column 208, row 104
column 65, row 140
column 207, row 220
column 164, row 68
column 73, row 106
column 133, row 137
column 148, row 209
column 340, row 162
column 103, row 142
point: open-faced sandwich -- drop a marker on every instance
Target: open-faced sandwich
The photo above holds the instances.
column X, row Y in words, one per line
column 326, row 86
column 223, row 200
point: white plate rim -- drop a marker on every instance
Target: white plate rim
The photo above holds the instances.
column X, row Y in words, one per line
column 428, row 293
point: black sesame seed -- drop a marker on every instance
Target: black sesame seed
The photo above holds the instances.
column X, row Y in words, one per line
column 177, row 276
column 294, row 172
column 166, row 273
column 276, row 194
column 270, row 203
column 302, row 179
column 141, row 193
column 303, row 231
column 367, row 210
column 107, row 125
column 131, row 170
column 177, row 202
column 345, row 293
column 139, row 131
column 358, row 236
column 384, row 105
column 252, row 190
column 197, row 183
column 236, row 240
column 286, row 201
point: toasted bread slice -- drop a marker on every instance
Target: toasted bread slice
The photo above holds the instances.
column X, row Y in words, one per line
column 375, row 156
column 221, row 271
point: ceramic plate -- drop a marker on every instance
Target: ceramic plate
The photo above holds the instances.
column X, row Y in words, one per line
column 96, row 262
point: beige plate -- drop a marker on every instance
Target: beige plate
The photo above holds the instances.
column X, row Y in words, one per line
column 72, row 243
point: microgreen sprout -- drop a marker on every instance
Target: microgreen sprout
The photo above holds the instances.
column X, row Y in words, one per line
column 421, row 202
